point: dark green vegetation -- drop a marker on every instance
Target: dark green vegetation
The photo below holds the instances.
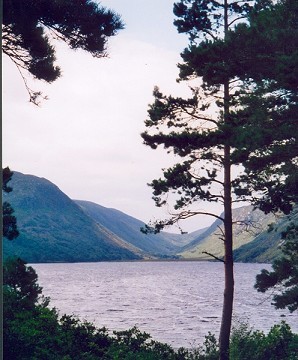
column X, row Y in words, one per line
column 32, row 330
column 240, row 115
column 266, row 56
column 285, row 272
column 29, row 29
column 280, row 343
column 10, row 229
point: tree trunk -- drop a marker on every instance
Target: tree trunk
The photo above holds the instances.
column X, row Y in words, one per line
column 227, row 310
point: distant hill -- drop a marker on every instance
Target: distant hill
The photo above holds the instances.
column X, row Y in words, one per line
column 249, row 224
column 128, row 228
column 55, row 229
column 266, row 246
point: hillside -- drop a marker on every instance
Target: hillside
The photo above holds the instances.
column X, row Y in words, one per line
column 128, row 228
column 266, row 246
column 55, row 229
column 249, row 224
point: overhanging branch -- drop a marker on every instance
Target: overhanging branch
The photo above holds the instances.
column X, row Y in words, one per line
column 213, row 256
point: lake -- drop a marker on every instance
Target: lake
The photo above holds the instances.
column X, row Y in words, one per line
column 177, row 302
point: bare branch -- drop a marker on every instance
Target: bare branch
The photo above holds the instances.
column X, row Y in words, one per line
column 34, row 96
column 200, row 117
column 214, row 257
column 187, row 214
column 222, row 234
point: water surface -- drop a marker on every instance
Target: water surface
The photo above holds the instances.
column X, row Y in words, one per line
column 176, row 302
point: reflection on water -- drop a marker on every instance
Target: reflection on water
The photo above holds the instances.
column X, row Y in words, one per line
column 176, row 302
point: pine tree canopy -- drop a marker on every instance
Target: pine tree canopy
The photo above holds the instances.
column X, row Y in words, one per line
column 257, row 58
column 236, row 136
column 30, row 26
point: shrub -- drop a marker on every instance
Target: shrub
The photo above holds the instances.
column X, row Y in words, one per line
column 279, row 344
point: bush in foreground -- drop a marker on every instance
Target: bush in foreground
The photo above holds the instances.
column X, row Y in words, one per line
column 279, row 343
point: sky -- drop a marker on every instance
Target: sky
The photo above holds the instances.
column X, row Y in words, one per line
column 86, row 137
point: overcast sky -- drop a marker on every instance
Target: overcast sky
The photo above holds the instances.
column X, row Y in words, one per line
column 86, row 137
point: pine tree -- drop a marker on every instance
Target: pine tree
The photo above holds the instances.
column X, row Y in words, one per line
column 216, row 129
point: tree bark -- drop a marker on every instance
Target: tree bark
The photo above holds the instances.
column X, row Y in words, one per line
column 227, row 310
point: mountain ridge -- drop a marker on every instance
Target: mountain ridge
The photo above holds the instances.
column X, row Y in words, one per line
column 248, row 224
column 55, row 228
column 128, row 228
column 52, row 226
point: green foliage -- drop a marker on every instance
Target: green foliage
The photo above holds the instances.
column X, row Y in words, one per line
column 6, row 177
column 26, row 318
column 204, row 130
column 266, row 47
column 31, row 334
column 82, row 339
column 9, row 221
column 20, row 284
column 255, row 119
column 266, row 58
column 284, row 277
column 10, row 229
column 209, row 350
column 29, row 29
column 280, row 343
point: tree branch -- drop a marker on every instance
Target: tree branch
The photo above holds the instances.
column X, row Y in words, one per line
column 214, row 257
column 33, row 95
column 187, row 214
column 238, row 18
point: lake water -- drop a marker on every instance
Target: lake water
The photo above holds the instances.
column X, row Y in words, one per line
column 176, row 302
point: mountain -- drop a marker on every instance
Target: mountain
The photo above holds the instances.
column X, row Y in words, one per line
column 128, row 228
column 266, row 246
column 53, row 228
column 249, row 224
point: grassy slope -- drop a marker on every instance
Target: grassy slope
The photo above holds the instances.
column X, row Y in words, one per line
column 249, row 225
column 53, row 228
column 266, row 246
column 128, row 228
